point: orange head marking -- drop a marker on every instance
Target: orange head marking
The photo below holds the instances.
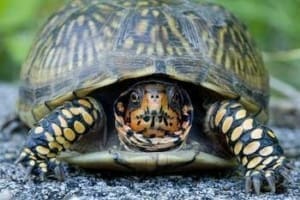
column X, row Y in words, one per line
column 154, row 110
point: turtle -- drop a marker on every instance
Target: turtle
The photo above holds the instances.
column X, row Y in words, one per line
column 148, row 86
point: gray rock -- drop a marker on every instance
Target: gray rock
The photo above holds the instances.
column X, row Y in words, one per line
column 81, row 184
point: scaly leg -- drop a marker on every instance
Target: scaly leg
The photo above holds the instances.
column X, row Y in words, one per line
column 255, row 145
column 56, row 132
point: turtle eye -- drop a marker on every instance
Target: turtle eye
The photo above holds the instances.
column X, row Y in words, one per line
column 176, row 98
column 134, row 97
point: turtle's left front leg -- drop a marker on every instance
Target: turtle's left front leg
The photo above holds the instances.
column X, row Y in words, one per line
column 255, row 145
column 56, row 132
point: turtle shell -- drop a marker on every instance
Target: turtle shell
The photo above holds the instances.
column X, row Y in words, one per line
column 91, row 44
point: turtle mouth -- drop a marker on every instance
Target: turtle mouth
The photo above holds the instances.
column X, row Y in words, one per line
column 153, row 116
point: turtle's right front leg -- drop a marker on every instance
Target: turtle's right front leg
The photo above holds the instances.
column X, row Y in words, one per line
column 56, row 132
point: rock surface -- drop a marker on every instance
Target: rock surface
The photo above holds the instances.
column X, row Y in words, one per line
column 81, row 184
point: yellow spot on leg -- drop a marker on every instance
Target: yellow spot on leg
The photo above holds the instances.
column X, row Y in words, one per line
column 237, row 148
column 254, row 162
column 42, row 150
column 56, row 129
column 251, row 148
column 227, row 124
column 62, row 121
column 240, row 114
column 38, row 130
column 55, row 145
column 95, row 114
column 49, row 137
column 219, row 116
column 75, row 111
column 248, row 124
column 236, row 133
column 66, row 113
column 257, row 133
column 69, row 134
column 84, row 103
column 266, row 151
column 60, row 140
column 87, row 118
column 271, row 134
column 244, row 160
column 268, row 160
column 79, row 127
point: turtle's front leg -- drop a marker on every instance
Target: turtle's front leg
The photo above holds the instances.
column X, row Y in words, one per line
column 255, row 145
column 56, row 132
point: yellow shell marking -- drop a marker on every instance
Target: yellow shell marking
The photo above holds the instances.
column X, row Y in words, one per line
column 254, row 162
column 159, row 48
column 257, row 133
column 251, row 148
column 42, row 150
column 80, row 20
column 155, row 13
column 236, row 133
column 142, row 27
column 144, row 12
column 69, row 134
column 56, row 129
column 79, row 127
column 266, row 151
column 227, row 124
column 140, row 48
column 108, row 32
column 129, row 42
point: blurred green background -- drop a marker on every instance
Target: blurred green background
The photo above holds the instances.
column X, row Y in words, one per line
column 274, row 24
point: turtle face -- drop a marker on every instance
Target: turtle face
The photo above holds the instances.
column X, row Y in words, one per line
column 153, row 116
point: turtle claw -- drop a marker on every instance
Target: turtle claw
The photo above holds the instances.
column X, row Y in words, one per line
column 59, row 173
column 271, row 183
column 272, row 177
column 257, row 184
column 248, row 184
column 41, row 168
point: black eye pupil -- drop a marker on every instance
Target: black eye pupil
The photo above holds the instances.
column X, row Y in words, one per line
column 134, row 97
column 176, row 97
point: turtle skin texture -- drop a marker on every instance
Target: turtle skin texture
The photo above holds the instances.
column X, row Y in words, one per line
column 172, row 69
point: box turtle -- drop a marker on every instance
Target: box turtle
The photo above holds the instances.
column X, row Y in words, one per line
column 152, row 86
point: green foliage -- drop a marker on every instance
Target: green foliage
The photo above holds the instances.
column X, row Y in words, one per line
column 273, row 23
column 19, row 22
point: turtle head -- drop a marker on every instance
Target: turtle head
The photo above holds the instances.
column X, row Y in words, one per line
column 153, row 116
